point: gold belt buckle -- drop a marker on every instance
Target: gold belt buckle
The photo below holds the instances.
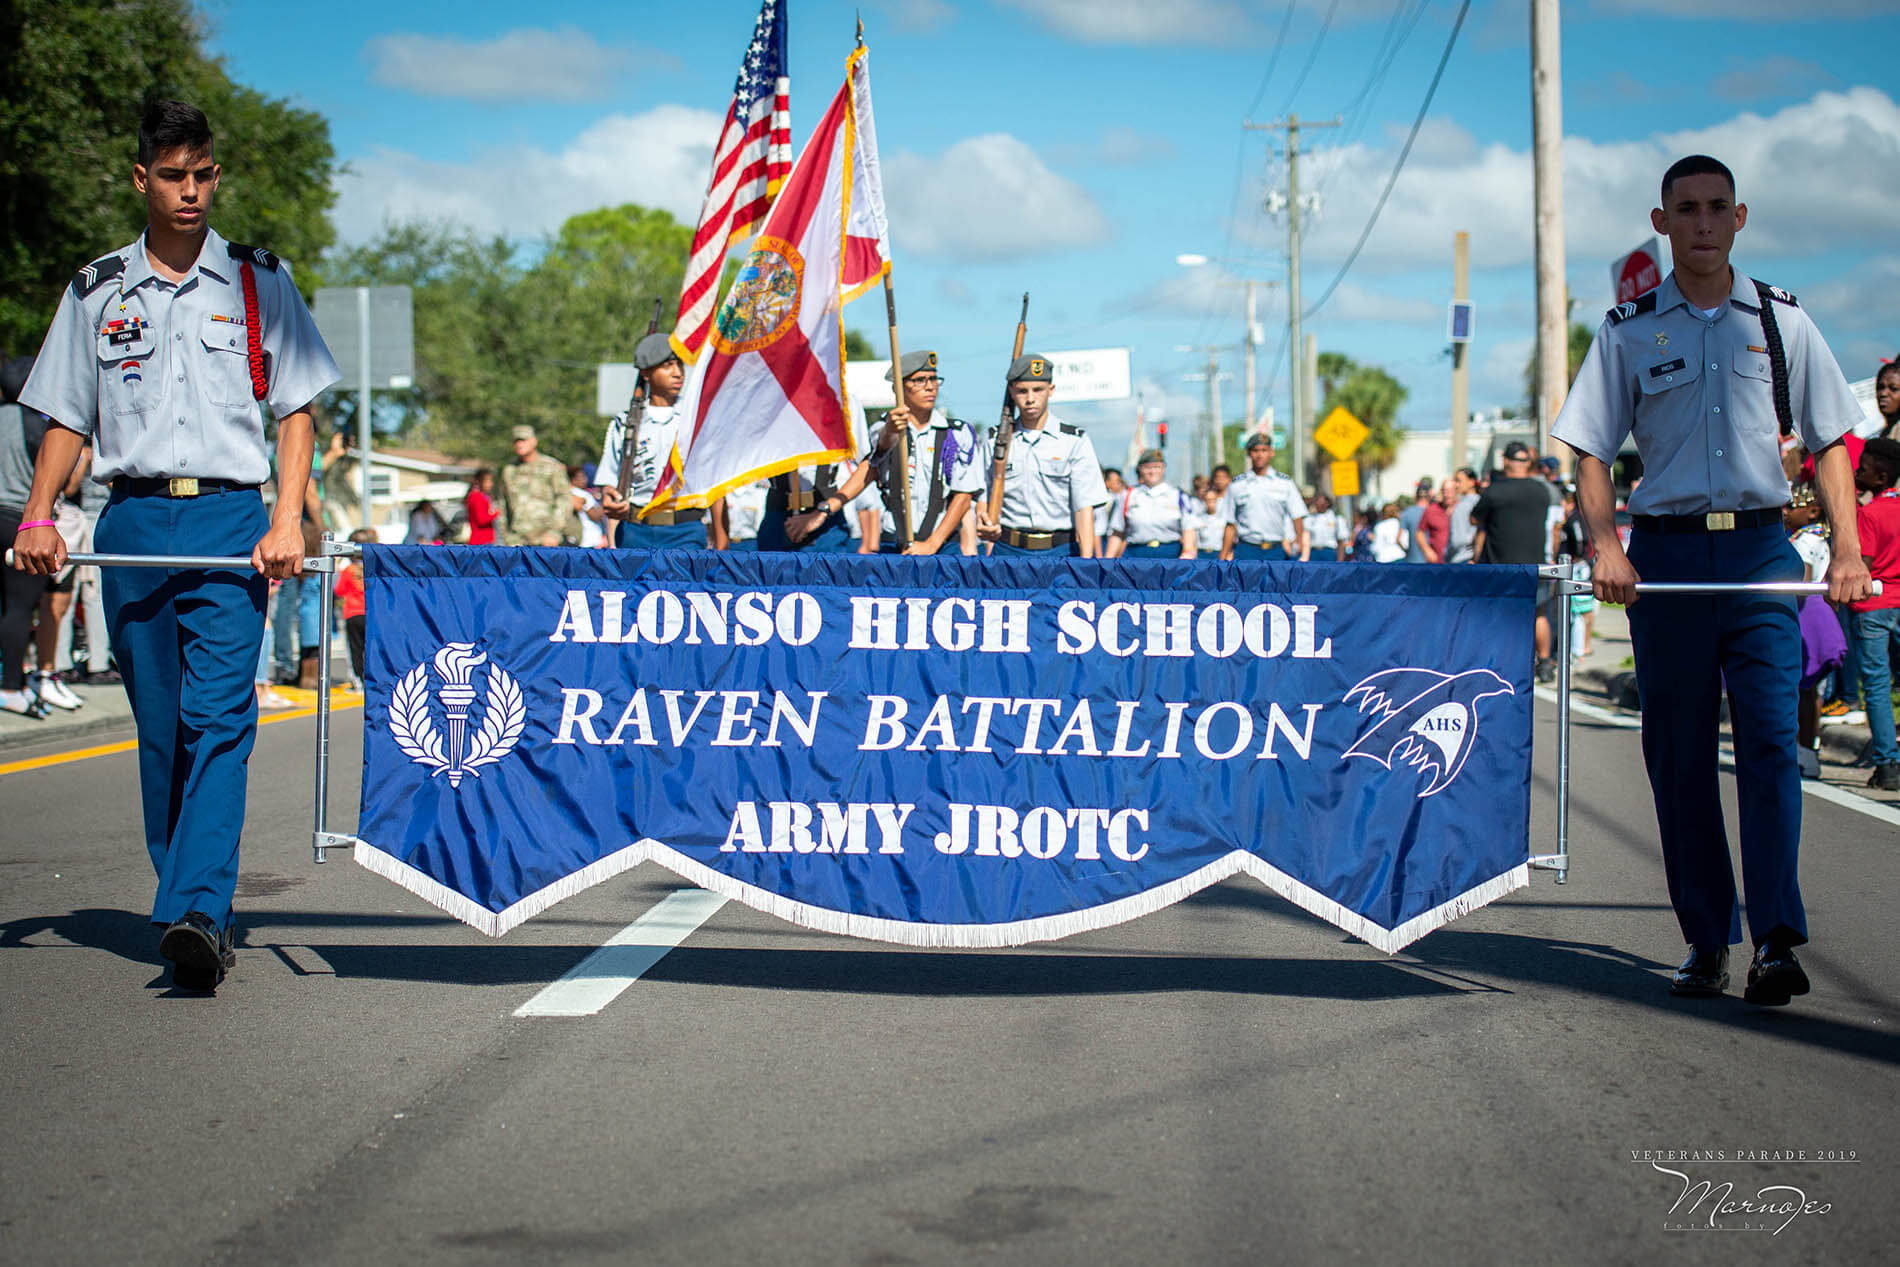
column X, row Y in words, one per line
column 1719, row 520
column 183, row 487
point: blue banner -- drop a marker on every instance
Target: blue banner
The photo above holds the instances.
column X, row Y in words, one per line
column 947, row 751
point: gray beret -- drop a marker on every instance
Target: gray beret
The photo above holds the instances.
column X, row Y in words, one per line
column 653, row 351
column 1030, row 368
column 912, row 362
column 1259, row 440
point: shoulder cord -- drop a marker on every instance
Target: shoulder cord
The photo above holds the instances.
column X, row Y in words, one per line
column 253, row 333
column 1777, row 360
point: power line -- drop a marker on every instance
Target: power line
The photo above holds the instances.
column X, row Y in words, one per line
column 1311, row 57
column 1399, row 166
column 1279, row 44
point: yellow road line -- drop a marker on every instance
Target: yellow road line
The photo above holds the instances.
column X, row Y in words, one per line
column 338, row 703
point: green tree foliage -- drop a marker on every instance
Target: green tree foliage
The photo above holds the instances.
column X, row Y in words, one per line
column 501, row 341
column 74, row 79
column 1369, row 394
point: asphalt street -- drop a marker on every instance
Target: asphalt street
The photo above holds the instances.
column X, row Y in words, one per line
column 1228, row 1080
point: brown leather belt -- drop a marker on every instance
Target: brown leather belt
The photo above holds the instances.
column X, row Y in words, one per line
column 790, row 503
column 667, row 518
column 1036, row 540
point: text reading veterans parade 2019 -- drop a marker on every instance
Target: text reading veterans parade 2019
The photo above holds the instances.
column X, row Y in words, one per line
column 943, row 751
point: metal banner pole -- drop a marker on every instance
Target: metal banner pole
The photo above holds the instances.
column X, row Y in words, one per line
column 1563, row 593
column 326, row 612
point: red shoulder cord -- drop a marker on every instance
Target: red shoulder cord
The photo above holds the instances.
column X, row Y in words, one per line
column 253, row 333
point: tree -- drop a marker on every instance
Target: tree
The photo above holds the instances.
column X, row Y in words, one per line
column 74, row 81
column 501, row 342
column 858, row 348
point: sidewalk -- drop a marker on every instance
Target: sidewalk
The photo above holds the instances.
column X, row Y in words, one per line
column 107, row 714
column 1606, row 677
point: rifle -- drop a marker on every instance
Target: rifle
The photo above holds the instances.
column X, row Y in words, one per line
column 636, row 414
column 1006, row 429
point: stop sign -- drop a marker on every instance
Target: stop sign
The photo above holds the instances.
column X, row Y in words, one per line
column 1638, row 272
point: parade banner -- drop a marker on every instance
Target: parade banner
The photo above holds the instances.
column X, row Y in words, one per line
column 947, row 751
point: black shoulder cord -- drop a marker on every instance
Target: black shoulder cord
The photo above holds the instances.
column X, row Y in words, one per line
column 1777, row 359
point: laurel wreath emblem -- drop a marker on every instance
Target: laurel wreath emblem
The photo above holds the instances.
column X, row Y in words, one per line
column 504, row 717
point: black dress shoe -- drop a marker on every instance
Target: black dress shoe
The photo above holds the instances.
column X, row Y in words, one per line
column 199, row 951
column 1703, row 975
column 1774, row 977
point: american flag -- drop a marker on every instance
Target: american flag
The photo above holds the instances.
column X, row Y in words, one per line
column 749, row 164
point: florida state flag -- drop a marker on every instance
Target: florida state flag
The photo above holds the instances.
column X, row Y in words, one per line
column 769, row 396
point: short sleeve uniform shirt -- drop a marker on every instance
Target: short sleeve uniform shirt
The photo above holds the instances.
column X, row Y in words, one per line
column 1696, row 393
column 158, row 372
column 1052, row 474
column 1263, row 508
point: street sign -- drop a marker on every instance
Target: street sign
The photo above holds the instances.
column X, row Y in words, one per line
column 1341, row 434
column 1345, row 479
column 338, row 311
column 1090, row 374
column 1459, row 320
column 1637, row 273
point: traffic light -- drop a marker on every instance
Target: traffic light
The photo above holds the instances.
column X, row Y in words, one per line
column 1161, row 430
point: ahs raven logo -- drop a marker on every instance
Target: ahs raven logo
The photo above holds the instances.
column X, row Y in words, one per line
column 1423, row 718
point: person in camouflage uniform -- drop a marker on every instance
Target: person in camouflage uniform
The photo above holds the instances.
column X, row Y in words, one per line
column 537, row 509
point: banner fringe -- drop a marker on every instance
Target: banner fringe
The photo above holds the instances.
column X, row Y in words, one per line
column 940, row 936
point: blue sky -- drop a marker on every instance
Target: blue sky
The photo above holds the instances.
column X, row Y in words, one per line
column 1074, row 148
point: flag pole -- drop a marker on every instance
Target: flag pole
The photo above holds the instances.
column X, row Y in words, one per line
column 905, row 530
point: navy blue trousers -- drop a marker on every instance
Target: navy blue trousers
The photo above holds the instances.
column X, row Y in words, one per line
column 638, row 536
column 1172, row 550
column 187, row 642
column 1072, row 551
column 831, row 538
column 1243, row 550
column 1687, row 646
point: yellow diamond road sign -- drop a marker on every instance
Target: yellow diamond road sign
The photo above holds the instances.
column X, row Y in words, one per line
column 1341, row 434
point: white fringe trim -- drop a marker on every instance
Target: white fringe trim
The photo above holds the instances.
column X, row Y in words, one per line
column 963, row 936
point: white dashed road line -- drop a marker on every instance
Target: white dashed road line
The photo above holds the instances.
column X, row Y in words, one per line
column 598, row 980
column 1813, row 787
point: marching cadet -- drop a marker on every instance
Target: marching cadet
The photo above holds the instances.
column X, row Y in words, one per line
column 653, row 444
column 1707, row 371
column 805, row 510
column 1153, row 519
column 160, row 354
column 1265, row 511
column 1052, row 483
column 536, row 507
column 943, row 471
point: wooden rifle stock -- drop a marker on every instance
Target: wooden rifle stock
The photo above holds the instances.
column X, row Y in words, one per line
column 1006, row 429
column 636, row 414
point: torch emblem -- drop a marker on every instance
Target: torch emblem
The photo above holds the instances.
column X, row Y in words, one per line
column 466, row 740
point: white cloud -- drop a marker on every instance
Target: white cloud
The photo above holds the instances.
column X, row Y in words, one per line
column 1116, row 146
column 658, row 159
column 1353, row 302
column 1789, row 165
column 566, row 64
column 987, row 197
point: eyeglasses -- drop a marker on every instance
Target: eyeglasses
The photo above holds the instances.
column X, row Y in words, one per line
column 923, row 380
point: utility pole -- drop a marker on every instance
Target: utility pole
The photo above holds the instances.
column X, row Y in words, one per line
column 1460, row 364
column 1252, row 321
column 1298, row 418
column 1213, row 412
column 1309, row 370
column 1547, row 174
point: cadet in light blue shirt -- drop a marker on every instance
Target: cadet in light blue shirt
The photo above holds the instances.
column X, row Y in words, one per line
column 1152, row 518
column 1712, row 373
column 1266, row 514
column 161, row 352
